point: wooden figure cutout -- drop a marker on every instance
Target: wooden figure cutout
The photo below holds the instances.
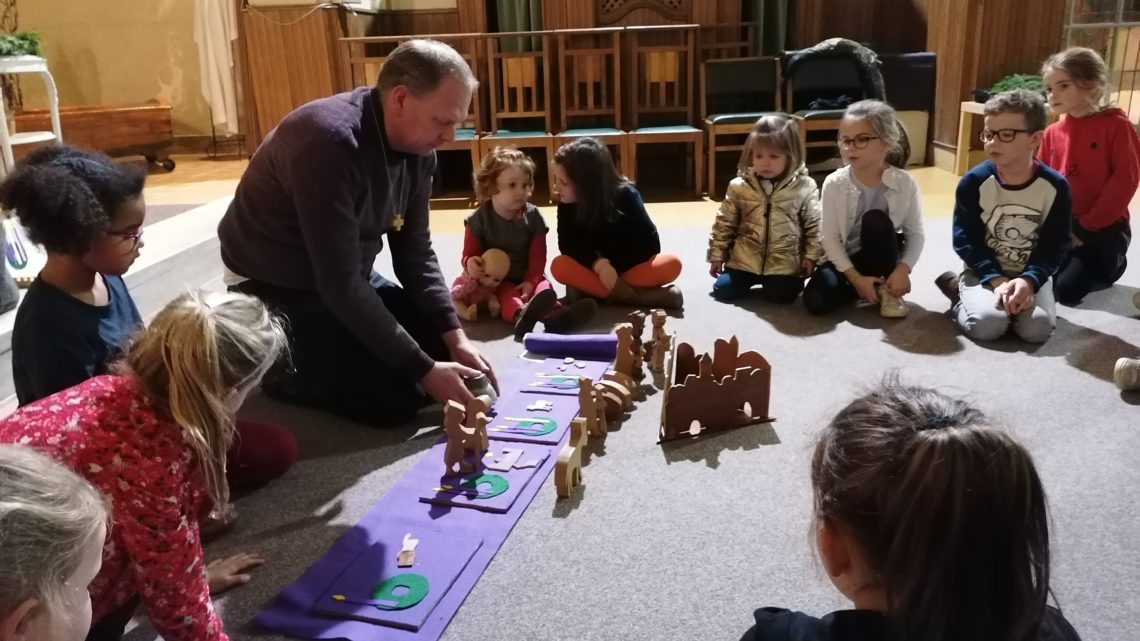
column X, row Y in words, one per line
column 709, row 393
column 590, row 409
column 568, row 468
column 660, row 343
column 624, row 361
column 611, row 401
column 466, row 443
column 621, row 379
column 624, row 396
column 407, row 556
column 637, row 320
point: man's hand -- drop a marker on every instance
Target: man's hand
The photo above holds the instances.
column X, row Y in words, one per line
column 1077, row 242
column 475, row 267
column 525, row 290
column 715, row 268
column 606, row 273
column 898, row 283
column 223, row 574
column 464, row 353
column 444, row 382
column 808, row 266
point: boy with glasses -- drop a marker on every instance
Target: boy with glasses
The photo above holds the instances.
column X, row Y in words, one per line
column 1012, row 218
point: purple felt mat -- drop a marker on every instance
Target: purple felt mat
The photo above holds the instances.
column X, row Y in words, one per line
column 602, row 347
column 440, row 558
column 291, row 613
column 446, row 490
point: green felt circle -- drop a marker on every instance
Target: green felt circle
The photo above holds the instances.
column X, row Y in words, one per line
column 416, row 584
column 498, row 485
column 543, row 425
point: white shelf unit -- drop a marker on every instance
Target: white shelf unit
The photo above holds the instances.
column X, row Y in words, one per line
column 38, row 66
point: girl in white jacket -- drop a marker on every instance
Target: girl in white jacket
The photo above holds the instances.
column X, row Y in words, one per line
column 872, row 219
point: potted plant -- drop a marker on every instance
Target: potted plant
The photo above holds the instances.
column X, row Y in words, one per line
column 25, row 43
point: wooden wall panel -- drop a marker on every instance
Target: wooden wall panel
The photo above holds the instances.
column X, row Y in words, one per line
column 281, row 80
column 402, row 23
column 889, row 26
column 472, row 16
column 582, row 14
column 975, row 49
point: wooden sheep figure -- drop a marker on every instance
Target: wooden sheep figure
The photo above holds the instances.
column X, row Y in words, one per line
column 466, row 444
column 568, row 468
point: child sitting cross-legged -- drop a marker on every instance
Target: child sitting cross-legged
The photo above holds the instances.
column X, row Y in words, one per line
column 507, row 221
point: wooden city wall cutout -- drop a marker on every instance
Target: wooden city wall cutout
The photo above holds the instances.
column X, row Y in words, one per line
column 712, row 393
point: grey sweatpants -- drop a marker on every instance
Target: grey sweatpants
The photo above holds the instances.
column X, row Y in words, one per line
column 982, row 321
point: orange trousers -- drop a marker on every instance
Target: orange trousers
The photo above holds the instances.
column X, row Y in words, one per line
column 659, row 270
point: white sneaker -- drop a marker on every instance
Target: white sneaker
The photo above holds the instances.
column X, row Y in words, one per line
column 1127, row 373
column 891, row 306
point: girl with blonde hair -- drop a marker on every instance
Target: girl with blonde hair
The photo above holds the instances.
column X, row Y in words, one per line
column 153, row 437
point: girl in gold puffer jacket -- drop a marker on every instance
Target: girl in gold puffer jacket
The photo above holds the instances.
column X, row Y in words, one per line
column 767, row 230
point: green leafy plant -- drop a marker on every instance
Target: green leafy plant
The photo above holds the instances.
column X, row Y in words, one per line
column 1029, row 81
column 27, row 43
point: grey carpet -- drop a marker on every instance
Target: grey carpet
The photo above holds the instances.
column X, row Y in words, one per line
column 684, row 541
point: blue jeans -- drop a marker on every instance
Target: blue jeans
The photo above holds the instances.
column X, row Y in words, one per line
column 733, row 284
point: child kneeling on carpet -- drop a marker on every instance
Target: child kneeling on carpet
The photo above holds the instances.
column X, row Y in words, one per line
column 1096, row 149
column 610, row 247
column 52, row 528
column 77, row 317
column 767, row 230
column 931, row 521
column 871, row 224
column 153, row 438
column 1011, row 227
column 507, row 221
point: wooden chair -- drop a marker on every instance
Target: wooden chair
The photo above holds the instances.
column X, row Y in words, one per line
column 366, row 56
column 590, row 84
column 733, row 40
column 662, row 103
column 519, row 84
column 735, row 93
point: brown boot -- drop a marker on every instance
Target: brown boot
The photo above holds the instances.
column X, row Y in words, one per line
column 565, row 318
column 622, row 294
column 665, row 297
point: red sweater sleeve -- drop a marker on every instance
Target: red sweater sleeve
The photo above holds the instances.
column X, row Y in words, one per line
column 1112, row 203
column 160, row 533
column 536, row 260
column 472, row 246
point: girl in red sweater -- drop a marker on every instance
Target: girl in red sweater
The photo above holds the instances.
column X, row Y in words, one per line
column 153, row 439
column 1096, row 149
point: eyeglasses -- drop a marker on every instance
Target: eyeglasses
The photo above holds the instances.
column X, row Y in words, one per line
column 1004, row 135
column 858, row 142
column 133, row 236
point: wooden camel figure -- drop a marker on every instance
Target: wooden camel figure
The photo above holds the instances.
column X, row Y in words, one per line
column 568, row 468
column 466, row 443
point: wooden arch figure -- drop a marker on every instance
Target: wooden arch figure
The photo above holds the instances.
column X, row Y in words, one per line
column 466, row 431
column 568, row 468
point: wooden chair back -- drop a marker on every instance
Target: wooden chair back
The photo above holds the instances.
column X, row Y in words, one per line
column 518, row 77
column 589, row 72
column 664, row 74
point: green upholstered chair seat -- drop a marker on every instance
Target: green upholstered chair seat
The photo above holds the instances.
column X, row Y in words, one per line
column 506, row 133
column 736, row 119
column 667, row 129
column 465, row 134
column 592, row 131
column 822, row 114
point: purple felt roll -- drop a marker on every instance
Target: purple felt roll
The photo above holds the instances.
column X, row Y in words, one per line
column 592, row 346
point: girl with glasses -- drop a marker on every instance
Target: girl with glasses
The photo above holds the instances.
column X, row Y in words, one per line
column 871, row 223
column 87, row 212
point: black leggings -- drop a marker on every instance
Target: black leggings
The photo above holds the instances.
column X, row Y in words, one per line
column 1099, row 262
column 880, row 249
column 330, row 369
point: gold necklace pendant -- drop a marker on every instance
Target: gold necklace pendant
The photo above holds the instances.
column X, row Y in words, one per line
column 398, row 222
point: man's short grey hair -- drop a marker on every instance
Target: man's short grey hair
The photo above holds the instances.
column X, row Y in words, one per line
column 420, row 65
column 1030, row 104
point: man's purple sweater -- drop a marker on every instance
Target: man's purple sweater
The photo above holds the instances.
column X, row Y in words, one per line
column 311, row 212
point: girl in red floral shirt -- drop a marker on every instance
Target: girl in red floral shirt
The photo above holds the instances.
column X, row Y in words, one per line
column 52, row 528
column 153, row 439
